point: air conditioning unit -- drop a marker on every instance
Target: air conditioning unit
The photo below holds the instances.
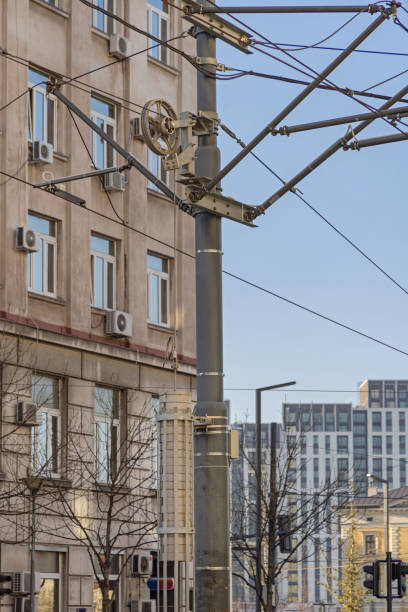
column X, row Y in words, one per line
column 114, row 181
column 28, row 413
column 43, row 152
column 135, row 129
column 118, row 323
column 26, row 239
column 119, row 46
column 143, row 605
column 142, row 564
column 21, row 582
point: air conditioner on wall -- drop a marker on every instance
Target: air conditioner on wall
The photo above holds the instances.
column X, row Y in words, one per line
column 28, row 413
column 142, row 564
column 26, row 239
column 135, row 129
column 119, row 46
column 21, row 582
column 114, row 181
column 118, row 323
column 43, row 152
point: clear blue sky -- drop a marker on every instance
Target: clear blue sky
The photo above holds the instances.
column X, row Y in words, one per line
column 292, row 251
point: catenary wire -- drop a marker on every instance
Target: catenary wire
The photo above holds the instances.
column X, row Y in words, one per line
column 294, row 47
column 231, row 275
column 319, row 214
column 102, row 179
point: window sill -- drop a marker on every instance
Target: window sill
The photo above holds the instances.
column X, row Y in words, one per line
column 110, row 488
column 159, row 194
column 99, row 311
column 167, row 67
column 47, row 298
column 53, row 9
column 162, row 328
column 97, row 32
column 61, row 156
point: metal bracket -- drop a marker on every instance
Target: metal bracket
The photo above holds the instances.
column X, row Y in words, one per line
column 215, row 25
column 221, row 205
column 177, row 160
column 209, row 61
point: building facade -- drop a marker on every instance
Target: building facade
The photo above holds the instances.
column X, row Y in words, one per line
column 97, row 310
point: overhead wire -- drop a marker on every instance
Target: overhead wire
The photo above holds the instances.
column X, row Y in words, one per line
column 297, row 47
column 300, row 195
column 228, row 273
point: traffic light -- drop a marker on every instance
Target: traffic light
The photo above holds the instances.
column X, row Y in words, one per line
column 372, row 584
column 285, row 545
column 404, row 573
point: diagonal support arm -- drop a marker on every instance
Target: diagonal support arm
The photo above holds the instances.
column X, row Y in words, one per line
column 295, row 102
column 54, row 88
column 338, row 144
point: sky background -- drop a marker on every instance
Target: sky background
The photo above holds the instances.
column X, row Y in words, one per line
column 293, row 252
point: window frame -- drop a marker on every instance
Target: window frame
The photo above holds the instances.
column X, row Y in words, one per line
column 113, row 423
column 369, row 551
column 164, row 175
column 108, row 22
column 107, row 121
column 49, row 240
column 107, row 259
column 162, row 52
column 33, row 89
column 50, row 413
column 163, row 276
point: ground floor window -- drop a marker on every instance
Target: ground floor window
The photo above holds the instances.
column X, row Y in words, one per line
column 113, row 595
column 49, row 566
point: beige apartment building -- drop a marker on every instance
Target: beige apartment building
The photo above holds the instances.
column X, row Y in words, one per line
column 97, row 309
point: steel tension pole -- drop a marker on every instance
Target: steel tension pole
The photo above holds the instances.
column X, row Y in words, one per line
column 211, row 466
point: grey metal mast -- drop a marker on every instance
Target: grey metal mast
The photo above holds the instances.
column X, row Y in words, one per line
column 211, row 494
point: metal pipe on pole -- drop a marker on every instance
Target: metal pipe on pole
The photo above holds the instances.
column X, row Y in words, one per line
column 336, row 146
column 351, row 8
column 211, row 465
column 375, row 141
column 285, row 130
column 296, row 101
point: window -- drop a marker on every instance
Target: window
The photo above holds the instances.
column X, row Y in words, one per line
column 106, row 433
column 402, row 445
column 99, row 20
column 103, row 281
column 402, row 395
column 389, row 445
column 377, row 470
column 377, row 445
column 316, row 473
column 343, row 418
column 327, row 469
column 389, row 472
column 158, row 299
column 402, row 421
column 48, row 564
column 42, row 110
column 388, row 421
column 370, row 545
column 303, row 444
column 45, row 439
column 158, row 25
column 42, row 265
column 376, row 421
column 303, row 476
column 114, row 584
column 342, row 472
column 329, row 418
column 317, row 418
column 403, row 473
column 342, row 445
column 315, row 445
column 327, row 444
column 154, row 163
column 305, row 418
column 104, row 115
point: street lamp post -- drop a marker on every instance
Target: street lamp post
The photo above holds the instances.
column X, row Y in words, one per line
column 258, row 446
column 388, row 553
column 34, row 485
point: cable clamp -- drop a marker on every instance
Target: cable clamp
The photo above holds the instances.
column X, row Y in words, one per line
column 209, row 61
column 3, row 51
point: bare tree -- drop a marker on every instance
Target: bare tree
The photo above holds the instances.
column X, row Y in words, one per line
column 109, row 506
column 292, row 518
